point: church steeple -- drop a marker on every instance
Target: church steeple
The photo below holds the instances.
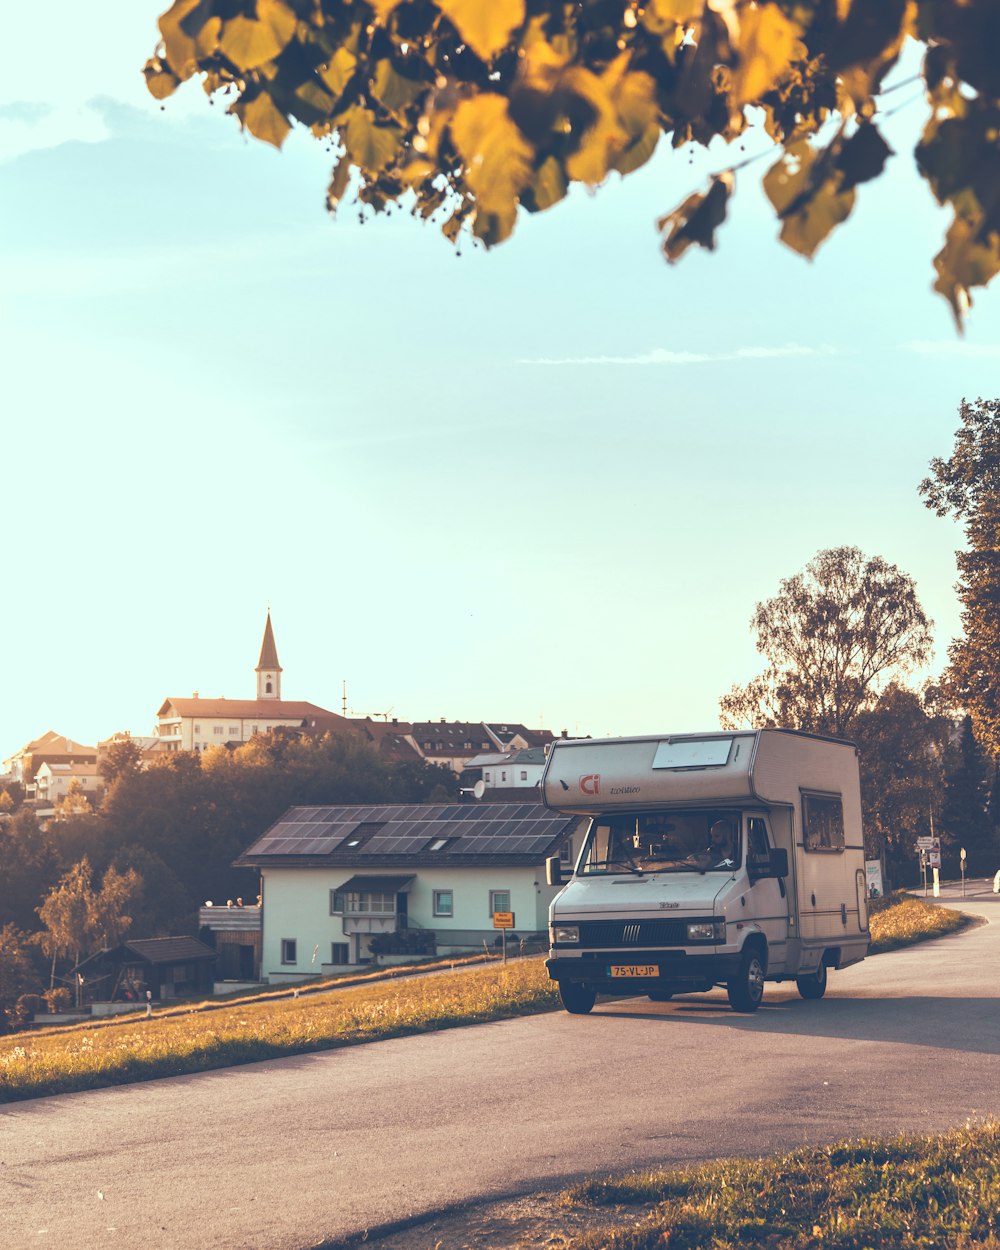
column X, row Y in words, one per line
column 268, row 668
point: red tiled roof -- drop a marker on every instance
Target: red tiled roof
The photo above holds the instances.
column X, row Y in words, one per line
column 246, row 709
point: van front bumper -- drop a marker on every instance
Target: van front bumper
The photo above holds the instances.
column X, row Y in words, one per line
column 675, row 970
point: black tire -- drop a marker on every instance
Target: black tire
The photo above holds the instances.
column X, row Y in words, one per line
column 813, row 985
column 746, row 988
column 577, row 999
column 660, row 996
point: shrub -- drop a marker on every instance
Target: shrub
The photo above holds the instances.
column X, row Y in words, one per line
column 58, row 999
column 405, row 942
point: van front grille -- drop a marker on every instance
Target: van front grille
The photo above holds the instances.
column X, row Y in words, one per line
column 614, row 933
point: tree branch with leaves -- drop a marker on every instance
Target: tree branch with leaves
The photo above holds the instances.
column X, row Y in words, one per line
column 471, row 110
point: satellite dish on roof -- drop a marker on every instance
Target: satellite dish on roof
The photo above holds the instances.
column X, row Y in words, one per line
column 479, row 789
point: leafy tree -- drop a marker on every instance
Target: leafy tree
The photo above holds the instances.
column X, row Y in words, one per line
column 965, row 820
column 967, row 485
column 472, row 109
column 78, row 918
column 902, row 745
column 120, row 758
column 110, row 906
column 66, row 913
column 833, row 637
column 29, row 864
column 17, row 974
column 73, row 803
column 6, row 804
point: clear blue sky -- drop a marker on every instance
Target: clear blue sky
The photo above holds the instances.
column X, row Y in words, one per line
column 547, row 484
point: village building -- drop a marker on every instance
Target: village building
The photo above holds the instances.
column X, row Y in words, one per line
column 345, row 886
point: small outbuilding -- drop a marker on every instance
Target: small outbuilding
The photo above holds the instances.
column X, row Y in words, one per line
column 169, row 967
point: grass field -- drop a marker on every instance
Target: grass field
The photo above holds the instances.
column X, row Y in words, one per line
column 199, row 1037
column 897, row 1194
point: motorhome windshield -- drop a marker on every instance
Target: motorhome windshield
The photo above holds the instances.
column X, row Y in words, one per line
column 682, row 841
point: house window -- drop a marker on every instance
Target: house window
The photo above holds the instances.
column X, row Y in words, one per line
column 217, row 730
column 367, row 902
column 288, row 953
column 503, row 775
column 524, row 774
column 234, row 731
column 566, row 851
column 499, row 901
column 336, row 902
column 822, row 822
column 340, row 953
column 488, row 777
column 444, row 903
column 197, row 729
column 267, row 688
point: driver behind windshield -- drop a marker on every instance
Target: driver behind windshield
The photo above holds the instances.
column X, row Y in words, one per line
column 721, row 849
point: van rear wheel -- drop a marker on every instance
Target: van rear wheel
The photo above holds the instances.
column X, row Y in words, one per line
column 577, row 999
column 813, row 985
column 660, row 996
column 746, row 988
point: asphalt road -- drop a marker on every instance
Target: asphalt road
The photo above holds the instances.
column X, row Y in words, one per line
column 285, row 1155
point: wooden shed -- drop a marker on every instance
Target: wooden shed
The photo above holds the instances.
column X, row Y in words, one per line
column 169, row 967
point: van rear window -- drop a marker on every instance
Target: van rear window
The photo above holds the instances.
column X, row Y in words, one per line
column 822, row 822
column 693, row 753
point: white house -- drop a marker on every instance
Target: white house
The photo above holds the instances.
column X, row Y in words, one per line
column 506, row 774
column 52, row 781
column 335, row 877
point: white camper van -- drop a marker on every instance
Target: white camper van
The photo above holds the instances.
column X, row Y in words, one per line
column 711, row 859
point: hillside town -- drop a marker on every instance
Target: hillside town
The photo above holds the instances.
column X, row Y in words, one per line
column 321, row 888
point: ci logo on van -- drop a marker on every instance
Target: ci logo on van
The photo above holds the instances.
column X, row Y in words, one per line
column 591, row 783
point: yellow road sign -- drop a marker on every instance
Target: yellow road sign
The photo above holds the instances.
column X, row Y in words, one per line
column 503, row 920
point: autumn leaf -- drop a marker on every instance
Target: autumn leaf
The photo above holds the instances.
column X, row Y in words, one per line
column 862, row 157
column 338, row 71
column 807, row 196
column 496, row 155
column 768, row 43
column 249, row 43
column 370, row 145
column 697, row 219
column 264, row 120
column 485, row 25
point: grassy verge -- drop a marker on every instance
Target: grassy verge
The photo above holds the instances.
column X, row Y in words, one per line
column 196, row 1038
column 905, row 1192
column 55, row 1062
column 900, row 920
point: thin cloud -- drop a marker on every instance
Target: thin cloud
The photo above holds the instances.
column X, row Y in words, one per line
column 948, row 347
column 663, row 356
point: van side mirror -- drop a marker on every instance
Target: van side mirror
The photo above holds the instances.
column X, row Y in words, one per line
column 778, row 866
column 553, row 870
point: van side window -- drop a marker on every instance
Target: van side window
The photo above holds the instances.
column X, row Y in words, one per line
column 758, row 849
column 822, row 822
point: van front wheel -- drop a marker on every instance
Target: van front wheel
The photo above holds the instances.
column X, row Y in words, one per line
column 577, row 999
column 814, row 985
column 746, row 988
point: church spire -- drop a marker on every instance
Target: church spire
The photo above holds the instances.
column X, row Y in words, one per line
column 268, row 668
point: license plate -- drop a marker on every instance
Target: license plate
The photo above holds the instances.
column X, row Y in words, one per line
column 634, row 970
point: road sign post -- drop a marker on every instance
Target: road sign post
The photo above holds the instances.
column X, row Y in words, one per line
column 503, row 920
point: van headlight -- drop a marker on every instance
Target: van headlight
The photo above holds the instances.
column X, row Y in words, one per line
column 707, row 931
column 560, row 934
